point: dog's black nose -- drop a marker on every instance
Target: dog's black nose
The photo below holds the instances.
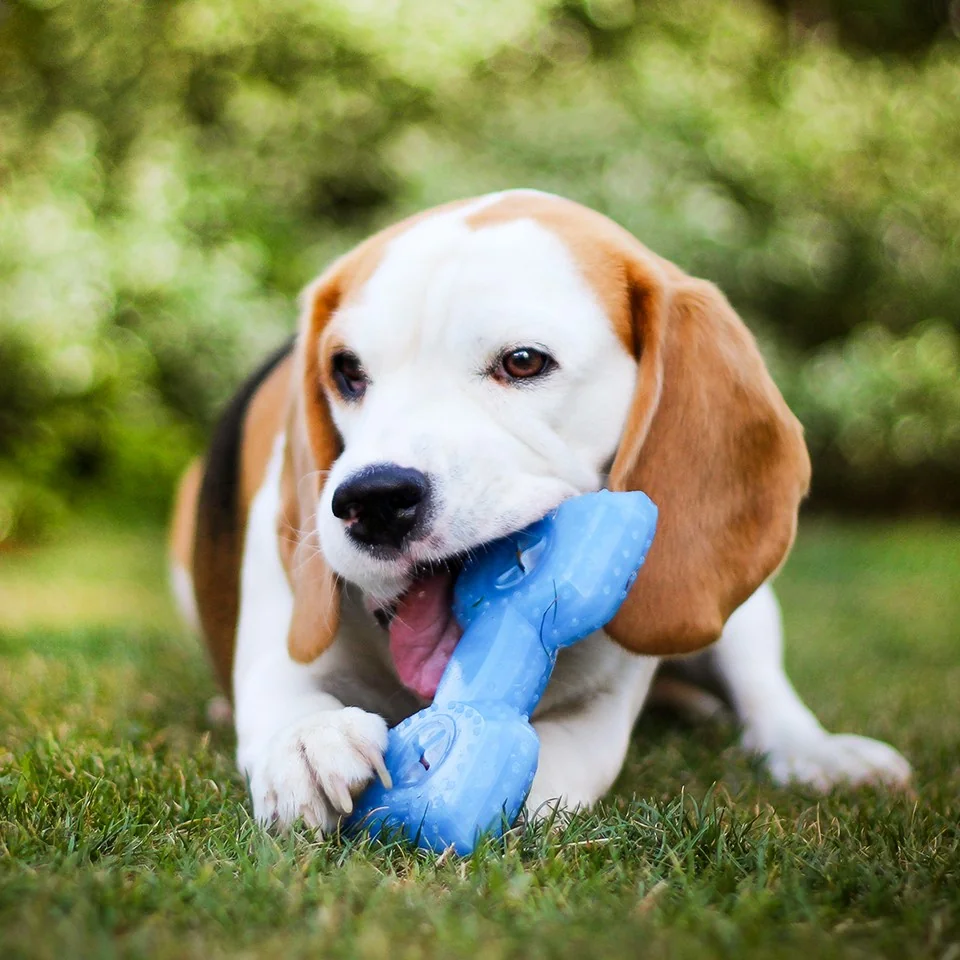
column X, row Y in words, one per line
column 382, row 504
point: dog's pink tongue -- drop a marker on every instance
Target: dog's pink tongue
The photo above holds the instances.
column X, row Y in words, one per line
column 423, row 633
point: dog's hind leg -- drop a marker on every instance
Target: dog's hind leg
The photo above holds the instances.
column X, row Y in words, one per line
column 748, row 660
column 180, row 545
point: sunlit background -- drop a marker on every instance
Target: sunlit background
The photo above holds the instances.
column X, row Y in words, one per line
column 171, row 174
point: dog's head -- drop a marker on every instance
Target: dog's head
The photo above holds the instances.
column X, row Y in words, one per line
column 463, row 372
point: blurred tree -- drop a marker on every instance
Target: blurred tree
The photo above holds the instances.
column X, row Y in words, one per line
column 165, row 165
column 878, row 26
column 172, row 173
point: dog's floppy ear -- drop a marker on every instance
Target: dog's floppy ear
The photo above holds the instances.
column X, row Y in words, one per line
column 710, row 439
column 312, row 446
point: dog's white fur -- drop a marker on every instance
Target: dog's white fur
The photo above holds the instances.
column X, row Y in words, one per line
column 442, row 304
column 499, row 459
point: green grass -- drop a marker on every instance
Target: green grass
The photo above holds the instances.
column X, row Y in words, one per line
column 124, row 829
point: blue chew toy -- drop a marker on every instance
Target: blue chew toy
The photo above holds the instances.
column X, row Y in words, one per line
column 463, row 766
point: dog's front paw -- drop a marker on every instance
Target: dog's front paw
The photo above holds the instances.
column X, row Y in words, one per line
column 823, row 760
column 548, row 805
column 315, row 767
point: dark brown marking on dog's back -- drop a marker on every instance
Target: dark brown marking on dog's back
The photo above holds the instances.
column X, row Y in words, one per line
column 221, row 520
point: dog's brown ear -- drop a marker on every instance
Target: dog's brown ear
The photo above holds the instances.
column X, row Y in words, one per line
column 711, row 441
column 312, row 446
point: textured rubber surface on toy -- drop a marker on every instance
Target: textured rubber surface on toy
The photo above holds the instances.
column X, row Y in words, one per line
column 463, row 766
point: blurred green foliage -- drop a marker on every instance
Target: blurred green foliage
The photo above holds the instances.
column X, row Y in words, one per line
column 171, row 173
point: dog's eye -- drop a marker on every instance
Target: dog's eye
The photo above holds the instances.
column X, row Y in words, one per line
column 523, row 363
column 349, row 375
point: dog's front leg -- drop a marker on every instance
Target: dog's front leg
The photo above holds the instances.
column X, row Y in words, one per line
column 584, row 742
column 303, row 752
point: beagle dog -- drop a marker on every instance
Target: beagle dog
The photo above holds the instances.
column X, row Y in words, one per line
column 454, row 378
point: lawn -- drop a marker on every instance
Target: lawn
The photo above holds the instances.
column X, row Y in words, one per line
column 124, row 829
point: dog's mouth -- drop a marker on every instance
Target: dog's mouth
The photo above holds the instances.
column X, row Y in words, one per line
column 423, row 630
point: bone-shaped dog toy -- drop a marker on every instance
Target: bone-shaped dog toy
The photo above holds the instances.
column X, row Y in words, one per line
column 463, row 766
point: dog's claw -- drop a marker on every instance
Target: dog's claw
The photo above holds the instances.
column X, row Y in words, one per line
column 341, row 795
column 383, row 774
